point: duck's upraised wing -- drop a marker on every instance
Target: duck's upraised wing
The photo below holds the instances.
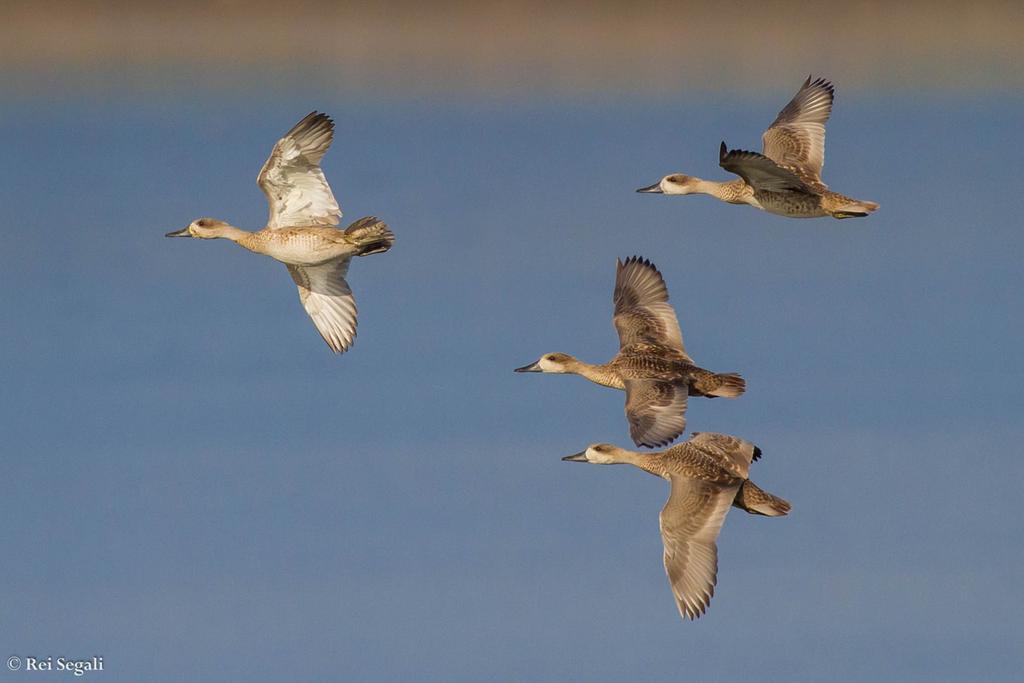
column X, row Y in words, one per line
column 796, row 139
column 328, row 300
column 760, row 172
column 296, row 188
column 642, row 312
column 690, row 523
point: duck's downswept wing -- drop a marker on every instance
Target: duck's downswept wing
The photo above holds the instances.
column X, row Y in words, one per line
column 642, row 312
column 796, row 138
column 296, row 188
column 730, row 452
column 760, row 172
column 690, row 523
column 655, row 410
column 328, row 300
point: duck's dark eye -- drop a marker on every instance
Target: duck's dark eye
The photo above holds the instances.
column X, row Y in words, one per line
column 201, row 224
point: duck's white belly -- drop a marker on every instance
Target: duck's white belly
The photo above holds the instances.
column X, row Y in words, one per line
column 298, row 249
column 296, row 255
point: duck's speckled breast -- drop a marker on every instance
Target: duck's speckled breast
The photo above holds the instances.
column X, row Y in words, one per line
column 683, row 459
column 644, row 361
column 791, row 204
column 300, row 246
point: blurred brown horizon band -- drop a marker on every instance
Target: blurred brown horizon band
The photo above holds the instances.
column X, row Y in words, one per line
column 509, row 49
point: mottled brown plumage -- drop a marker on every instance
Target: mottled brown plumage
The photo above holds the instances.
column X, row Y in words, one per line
column 796, row 192
column 708, row 474
column 786, row 178
column 301, row 232
column 652, row 364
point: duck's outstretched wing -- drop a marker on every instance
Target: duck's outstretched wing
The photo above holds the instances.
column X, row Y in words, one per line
column 328, row 300
column 296, row 188
column 796, row 139
column 760, row 172
column 690, row 523
column 655, row 410
column 642, row 312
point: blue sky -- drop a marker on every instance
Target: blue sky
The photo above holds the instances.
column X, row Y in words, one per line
column 197, row 489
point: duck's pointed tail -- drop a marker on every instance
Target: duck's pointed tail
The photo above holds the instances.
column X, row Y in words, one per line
column 858, row 208
column 757, row 501
column 728, row 385
column 370, row 235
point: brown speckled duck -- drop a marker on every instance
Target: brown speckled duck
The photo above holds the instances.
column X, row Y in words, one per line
column 708, row 473
column 301, row 232
column 786, row 178
column 652, row 365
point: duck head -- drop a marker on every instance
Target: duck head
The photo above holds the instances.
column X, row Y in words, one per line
column 601, row 454
column 202, row 228
column 555, row 363
column 676, row 183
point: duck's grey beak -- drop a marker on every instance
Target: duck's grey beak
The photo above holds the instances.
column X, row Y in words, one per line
column 179, row 233
column 532, row 367
column 656, row 187
column 576, row 457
